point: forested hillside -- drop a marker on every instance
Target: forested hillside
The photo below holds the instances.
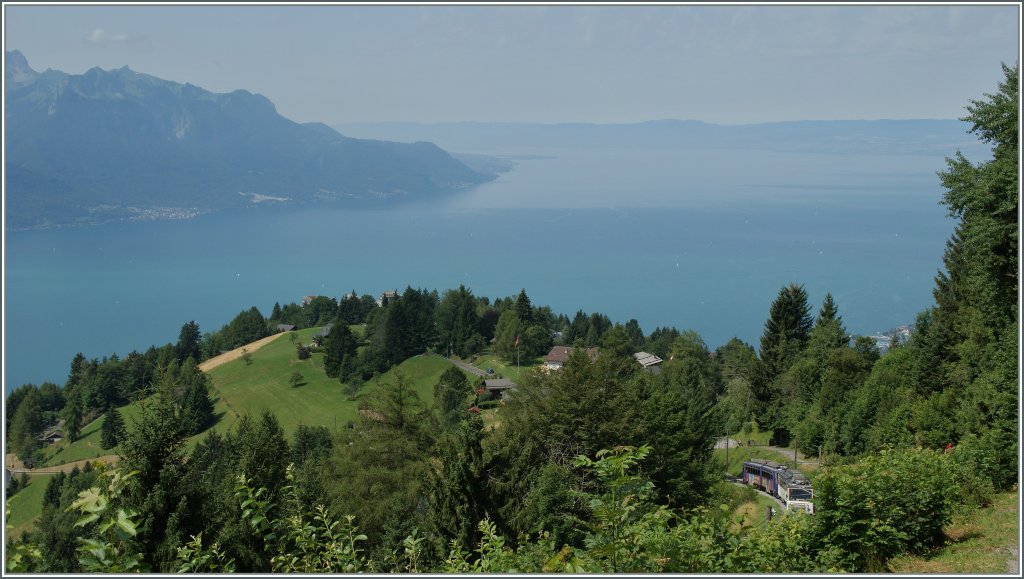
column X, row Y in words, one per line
column 598, row 466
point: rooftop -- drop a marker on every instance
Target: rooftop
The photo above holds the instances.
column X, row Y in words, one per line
column 646, row 360
column 561, row 354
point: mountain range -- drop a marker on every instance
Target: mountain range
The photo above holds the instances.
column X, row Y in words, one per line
column 117, row 144
column 885, row 137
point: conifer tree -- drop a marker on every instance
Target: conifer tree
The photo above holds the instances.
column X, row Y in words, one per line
column 523, row 308
column 338, row 345
column 112, row 429
column 189, row 341
column 786, row 331
column 829, row 311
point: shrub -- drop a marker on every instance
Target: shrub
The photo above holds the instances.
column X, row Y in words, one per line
column 894, row 502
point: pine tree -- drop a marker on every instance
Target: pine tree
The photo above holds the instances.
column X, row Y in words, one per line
column 458, row 492
column 26, row 425
column 338, row 344
column 112, row 429
column 829, row 311
column 189, row 341
column 523, row 308
column 450, row 394
column 973, row 333
column 73, row 421
column 786, row 331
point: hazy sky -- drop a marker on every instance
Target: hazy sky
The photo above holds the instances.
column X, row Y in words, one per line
column 724, row 64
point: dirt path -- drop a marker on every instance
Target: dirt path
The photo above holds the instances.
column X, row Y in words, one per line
column 16, row 467
column 237, row 353
column 468, row 367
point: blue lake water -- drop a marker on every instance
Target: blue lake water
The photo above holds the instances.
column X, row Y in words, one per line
column 698, row 240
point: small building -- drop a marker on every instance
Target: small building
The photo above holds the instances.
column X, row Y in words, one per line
column 559, row 354
column 52, row 435
column 649, row 362
column 498, row 386
column 285, row 327
column 387, row 297
column 318, row 338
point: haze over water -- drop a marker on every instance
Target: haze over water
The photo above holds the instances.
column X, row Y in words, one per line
column 698, row 240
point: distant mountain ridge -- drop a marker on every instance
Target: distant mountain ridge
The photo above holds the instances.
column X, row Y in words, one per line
column 119, row 144
column 914, row 136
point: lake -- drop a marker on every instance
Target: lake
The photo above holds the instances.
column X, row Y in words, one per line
column 699, row 240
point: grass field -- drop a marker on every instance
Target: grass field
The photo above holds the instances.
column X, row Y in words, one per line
column 737, row 456
column 264, row 384
column 979, row 542
column 239, row 388
column 26, row 506
column 501, row 367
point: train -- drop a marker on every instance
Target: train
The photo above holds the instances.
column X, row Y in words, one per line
column 789, row 486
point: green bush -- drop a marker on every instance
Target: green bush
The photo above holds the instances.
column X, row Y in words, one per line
column 894, row 502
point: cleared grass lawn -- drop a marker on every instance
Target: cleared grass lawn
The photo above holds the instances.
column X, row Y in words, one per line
column 319, row 401
column 979, row 542
column 26, row 506
column 489, row 360
column 424, row 372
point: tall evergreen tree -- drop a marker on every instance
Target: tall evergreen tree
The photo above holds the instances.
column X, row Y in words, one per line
column 339, row 344
column 26, row 425
column 523, row 308
column 73, row 421
column 457, row 494
column 189, row 342
column 786, row 331
column 829, row 311
column 450, row 394
column 112, row 429
column 195, row 403
column 973, row 331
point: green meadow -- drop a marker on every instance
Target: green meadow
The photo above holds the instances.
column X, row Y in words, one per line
column 25, row 507
column 265, row 384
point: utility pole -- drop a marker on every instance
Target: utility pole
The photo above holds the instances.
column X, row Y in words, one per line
column 726, row 453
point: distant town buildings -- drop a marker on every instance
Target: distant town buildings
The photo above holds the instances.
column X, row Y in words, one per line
column 884, row 340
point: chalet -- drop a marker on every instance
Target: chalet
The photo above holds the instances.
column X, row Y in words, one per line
column 285, row 327
column 559, row 354
column 52, row 436
column 649, row 362
column 498, row 386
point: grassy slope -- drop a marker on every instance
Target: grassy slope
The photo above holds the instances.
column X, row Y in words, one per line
column 264, row 384
column 239, row 388
column 27, row 505
column 501, row 367
column 978, row 542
